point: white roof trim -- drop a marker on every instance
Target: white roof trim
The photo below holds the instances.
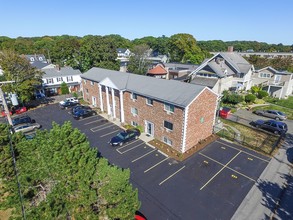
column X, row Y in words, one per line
column 107, row 82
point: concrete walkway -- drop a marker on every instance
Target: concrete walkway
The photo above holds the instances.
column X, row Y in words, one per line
column 264, row 201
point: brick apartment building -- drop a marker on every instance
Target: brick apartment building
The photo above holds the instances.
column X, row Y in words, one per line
column 177, row 113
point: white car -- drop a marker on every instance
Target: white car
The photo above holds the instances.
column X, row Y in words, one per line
column 26, row 127
column 72, row 99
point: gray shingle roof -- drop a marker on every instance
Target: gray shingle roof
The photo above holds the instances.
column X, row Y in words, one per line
column 64, row 71
column 171, row 91
column 203, row 81
column 39, row 64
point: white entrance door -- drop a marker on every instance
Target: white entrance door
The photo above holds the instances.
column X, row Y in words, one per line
column 149, row 128
column 94, row 101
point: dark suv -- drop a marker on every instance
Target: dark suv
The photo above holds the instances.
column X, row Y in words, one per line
column 22, row 120
column 277, row 127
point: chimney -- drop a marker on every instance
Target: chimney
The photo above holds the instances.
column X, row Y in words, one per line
column 230, row 49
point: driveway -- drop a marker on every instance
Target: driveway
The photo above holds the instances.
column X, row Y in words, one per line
column 249, row 116
column 209, row 185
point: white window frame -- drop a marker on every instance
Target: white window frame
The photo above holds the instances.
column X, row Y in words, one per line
column 92, row 83
column 50, row 81
column 134, row 123
column 167, row 141
column 147, row 101
column 167, row 108
column 133, row 96
column 84, row 81
column 168, row 129
column 59, row 79
column 69, row 78
column 134, row 111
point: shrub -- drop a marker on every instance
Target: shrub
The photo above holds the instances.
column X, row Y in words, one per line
column 250, row 98
column 259, row 101
column 64, row 88
column 255, row 89
column 75, row 95
column 232, row 98
column 261, row 94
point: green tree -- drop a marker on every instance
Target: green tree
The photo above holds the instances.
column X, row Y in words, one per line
column 64, row 88
column 183, row 49
column 61, row 177
column 17, row 68
column 250, row 98
column 262, row 94
column 138, row 63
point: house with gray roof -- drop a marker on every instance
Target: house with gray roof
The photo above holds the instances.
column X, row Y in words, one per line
column 223, row 71
column 278, row 84
column 177, row 113
column 54, row 77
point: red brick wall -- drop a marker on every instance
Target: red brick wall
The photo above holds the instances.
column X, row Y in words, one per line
column 203, row 107
column 93, row 90
column 155, row 114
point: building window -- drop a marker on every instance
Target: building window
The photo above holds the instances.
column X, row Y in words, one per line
column 167, row 141
column 134, row 111
column 59, row 79
column 169, row 108
column 168, row 125
column 69, row 78
column 40, row 58
column 265, row 75
column 133, row 123
column 84, row 81
column 86, row 91
column 133, row 96
column 149, row 101
column 32, row 59
column 92, row 83
column 50, row 81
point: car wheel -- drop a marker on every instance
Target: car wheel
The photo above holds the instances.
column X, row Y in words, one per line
column 277, row 119
column 260, row 114
column 136, row 137
column 257, row 126
column 81, row 117
column 66, row 107
column 276, row 132
column 94, row 113
column 120, row 144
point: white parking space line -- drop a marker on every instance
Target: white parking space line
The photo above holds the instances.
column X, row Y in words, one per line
column 104, row 135
column 127, row 144
column 228, row 167
column 143, row 155
column 102, row 128
column 157, row 164
column 220, row 171
column 94, row 121
column 88, row 118
column 244, row 152
column 129, row 149
column 171, row 175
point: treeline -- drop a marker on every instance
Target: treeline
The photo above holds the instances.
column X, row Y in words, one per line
column 243, row 46
column 86, row 52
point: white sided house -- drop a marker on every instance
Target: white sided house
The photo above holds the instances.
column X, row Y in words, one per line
column 224, row 71
column 176, row 113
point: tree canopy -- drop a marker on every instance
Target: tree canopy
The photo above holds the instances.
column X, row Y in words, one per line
column 61, row 176
column 17, row 68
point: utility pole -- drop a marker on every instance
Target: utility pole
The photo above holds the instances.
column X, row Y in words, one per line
column 7, row 112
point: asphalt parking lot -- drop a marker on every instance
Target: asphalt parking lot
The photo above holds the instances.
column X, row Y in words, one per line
column 209, row 185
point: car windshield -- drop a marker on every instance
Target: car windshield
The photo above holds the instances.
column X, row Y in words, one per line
column 281, row 113
column 122, row 135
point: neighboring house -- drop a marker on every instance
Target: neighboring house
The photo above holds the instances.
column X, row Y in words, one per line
column 223, row 71
column 269, row 55
column 39, row 61
column 123, row 53
column 158, row 71
column 179, row 71
column 157, row 59
column 53, row 78
column 278, row 84
column 179, row 114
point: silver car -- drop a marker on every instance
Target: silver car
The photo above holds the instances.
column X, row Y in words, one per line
column 277, row 115
column 26, row 127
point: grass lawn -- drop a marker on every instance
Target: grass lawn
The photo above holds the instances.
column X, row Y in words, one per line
column 288, row 103
column 287, row 111
column 252, row 138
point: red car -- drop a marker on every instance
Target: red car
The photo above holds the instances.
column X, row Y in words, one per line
column 15, row 110
column 224, row 112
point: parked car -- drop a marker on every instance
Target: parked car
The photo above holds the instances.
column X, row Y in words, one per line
column 76, row 108
column 277, row 115
column 277, row 127
column 67, row 104
column 72, row 99
column 83, row 113
column 224, row 112
column 125, row 136
column 22, row 119
column 26, row 127
column 15, row 110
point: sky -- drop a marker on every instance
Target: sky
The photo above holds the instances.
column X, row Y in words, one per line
column 269, row 21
